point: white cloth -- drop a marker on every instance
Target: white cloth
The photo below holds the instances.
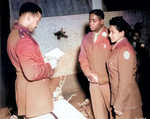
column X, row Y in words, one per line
column 64, row 110
column 45, row 116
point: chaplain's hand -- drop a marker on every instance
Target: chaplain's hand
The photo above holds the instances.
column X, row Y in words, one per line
column 118, row 112
column 53, row 63
column 93, row 78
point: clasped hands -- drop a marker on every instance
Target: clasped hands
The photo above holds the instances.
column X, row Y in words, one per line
column 118, row 112
column 93, row 78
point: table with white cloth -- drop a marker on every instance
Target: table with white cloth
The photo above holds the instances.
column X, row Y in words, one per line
column 64, row 110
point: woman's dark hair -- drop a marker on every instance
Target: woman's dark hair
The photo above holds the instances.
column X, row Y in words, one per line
column 29, row 7
column 121, row 25
column 97, row 12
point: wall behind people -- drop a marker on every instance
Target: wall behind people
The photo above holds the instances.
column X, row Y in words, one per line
column 75, row 28
column 54, row 7
column 72, row 16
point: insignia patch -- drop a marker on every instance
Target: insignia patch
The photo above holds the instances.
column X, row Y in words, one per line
column 104, row 34
column 126, row 54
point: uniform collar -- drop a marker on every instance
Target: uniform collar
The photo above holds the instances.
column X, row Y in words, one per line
column 118, row 42
column 96, row 35
column 20, row 27
column 99, row 31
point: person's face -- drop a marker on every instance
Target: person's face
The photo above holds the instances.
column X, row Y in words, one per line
column 114, row 34
column 95, row 23
column 34, row 21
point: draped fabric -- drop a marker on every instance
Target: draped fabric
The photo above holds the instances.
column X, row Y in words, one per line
column 53, row 7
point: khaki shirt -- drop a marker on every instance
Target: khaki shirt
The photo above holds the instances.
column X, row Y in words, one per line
column 93, row 55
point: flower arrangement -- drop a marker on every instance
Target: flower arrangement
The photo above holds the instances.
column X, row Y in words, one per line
column 85, row 109
column 57, row 94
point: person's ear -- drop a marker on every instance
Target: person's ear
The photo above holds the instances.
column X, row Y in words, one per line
column 123, row 33
column 28, row 16
column 102, row 21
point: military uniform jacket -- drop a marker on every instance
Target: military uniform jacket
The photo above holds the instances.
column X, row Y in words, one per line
column 93, row 55
column 125, row 94
column 33, row 91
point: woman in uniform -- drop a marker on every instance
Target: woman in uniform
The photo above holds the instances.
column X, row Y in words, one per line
column 125, row 94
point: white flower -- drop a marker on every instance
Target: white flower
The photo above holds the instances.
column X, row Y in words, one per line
column 104, row 34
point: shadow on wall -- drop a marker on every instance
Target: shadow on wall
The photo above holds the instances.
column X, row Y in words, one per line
column 82, row 79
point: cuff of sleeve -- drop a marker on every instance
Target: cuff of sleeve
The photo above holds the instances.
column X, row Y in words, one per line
column 119, row 108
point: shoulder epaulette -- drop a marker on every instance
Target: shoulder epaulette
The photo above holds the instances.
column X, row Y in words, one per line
column 21, row 34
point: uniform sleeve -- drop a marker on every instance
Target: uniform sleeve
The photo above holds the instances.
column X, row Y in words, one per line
column 125, row 62
column 84, row 63
column 32, row 69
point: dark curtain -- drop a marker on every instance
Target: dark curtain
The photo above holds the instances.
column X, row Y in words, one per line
column 8, row 74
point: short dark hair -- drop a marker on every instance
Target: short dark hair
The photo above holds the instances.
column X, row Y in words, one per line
column 121, row 25
column 97, row 12
column 29, row 7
